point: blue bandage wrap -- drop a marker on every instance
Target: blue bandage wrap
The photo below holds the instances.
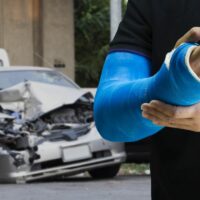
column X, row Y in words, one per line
column 126, row 84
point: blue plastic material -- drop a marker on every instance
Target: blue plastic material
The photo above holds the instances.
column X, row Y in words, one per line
column 125, row 85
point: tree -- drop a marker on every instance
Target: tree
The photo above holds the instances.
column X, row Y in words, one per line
column 91, row 39
column 92, row 35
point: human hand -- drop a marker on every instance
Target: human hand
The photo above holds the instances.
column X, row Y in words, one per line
column 179, row 117
column 193, row 35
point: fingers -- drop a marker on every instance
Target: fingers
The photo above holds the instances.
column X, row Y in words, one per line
column 174, row 125
column 165, row 111
column 175, row 122
column 154, row 116
column 149, row 110
column 179, row 117
column 193, row 35
column 161, row 119
column 159, row 106
column 185, row 124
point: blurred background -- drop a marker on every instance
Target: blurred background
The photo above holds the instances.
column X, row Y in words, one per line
column 94, row 21
column 70, row 35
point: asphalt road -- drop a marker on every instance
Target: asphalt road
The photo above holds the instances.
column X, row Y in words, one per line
column 81, row 188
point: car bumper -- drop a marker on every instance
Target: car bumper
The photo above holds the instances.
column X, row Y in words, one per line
column 52, row 164
column 9, row 175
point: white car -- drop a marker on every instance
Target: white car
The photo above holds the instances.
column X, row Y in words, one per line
column 47, row 128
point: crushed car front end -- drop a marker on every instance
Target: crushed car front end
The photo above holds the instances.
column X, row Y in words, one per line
column 47, row 131
column 59, row 158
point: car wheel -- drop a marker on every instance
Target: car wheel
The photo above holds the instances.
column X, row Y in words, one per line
column 105, row 172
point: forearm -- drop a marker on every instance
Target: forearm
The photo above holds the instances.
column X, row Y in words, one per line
column 123, row 88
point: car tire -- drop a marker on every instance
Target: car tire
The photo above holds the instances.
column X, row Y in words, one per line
column 105, row 172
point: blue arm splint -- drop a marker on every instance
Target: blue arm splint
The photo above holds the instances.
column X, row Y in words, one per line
column 126, row 84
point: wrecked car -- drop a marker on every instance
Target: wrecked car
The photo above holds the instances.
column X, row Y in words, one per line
column 47, row 128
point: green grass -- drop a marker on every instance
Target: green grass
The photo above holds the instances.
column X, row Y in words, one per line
column 134, row 169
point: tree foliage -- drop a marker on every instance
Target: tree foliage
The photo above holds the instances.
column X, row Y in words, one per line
column 91, row 39
column 92, row 35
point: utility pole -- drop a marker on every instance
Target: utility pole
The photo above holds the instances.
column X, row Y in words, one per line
column 115, row 16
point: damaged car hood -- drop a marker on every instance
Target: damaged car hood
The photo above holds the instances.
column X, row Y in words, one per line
column 36, row 98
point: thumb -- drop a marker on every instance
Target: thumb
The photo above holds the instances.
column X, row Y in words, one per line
column 193, row 35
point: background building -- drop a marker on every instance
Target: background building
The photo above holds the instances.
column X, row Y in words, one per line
column 38, row 33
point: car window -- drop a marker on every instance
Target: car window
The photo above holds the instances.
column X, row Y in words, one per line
column 11, row 78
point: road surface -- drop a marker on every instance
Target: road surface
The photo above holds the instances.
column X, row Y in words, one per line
column 81, row 188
